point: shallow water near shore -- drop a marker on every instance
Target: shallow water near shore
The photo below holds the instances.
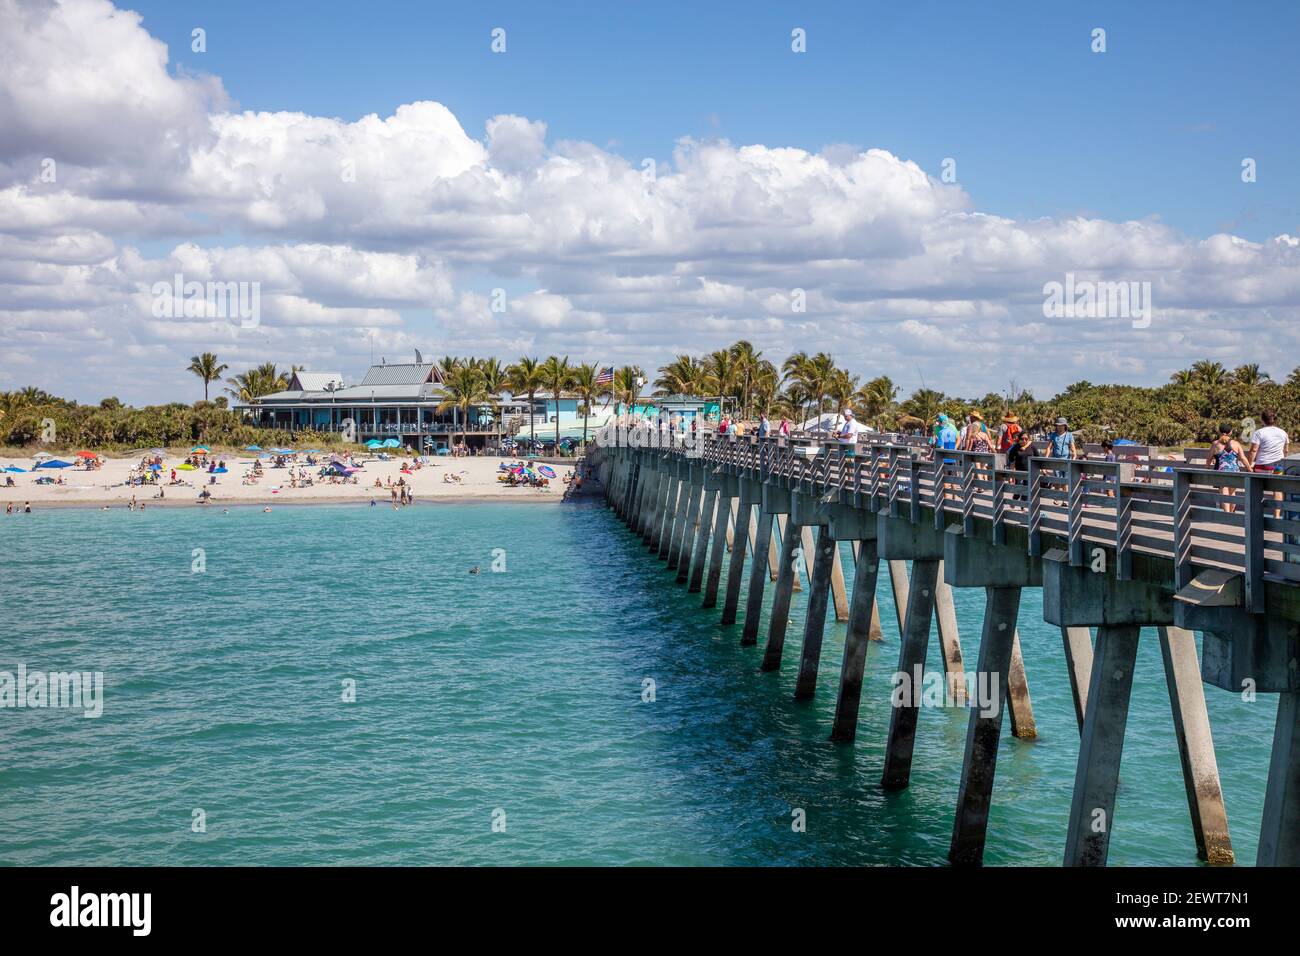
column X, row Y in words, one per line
column 514, row 696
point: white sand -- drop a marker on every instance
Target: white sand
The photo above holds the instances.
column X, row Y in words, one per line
column 105, row 485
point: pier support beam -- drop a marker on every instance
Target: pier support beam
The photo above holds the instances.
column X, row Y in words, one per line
column 971, row 561
column 758, row 570
column 749, row 494
column 702, row 539
column 911, row 660
column 1195, row 746
column 810, row 512
column 780, row 614
column 693, row 486
column 1075, row 596
column 859, row 527
column 1078, row 663
column 984, row 732
column 1092, row 809
column 1279, row 831
column 727, row 490
column 672, row 511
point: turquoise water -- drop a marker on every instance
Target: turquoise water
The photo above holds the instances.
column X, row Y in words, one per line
column 518, row 692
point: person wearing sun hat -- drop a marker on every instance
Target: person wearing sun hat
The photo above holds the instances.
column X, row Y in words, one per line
column 1060, row 443
column 1008, row 431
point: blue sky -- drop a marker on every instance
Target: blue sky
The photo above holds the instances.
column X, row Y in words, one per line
column 521, row 172
column 1038, row 123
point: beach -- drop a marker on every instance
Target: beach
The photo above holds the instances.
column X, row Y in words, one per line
column 107, row 485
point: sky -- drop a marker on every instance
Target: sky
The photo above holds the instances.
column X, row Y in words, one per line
column 625, row 183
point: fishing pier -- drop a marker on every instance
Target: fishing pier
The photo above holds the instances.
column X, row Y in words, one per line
column 1115, row 547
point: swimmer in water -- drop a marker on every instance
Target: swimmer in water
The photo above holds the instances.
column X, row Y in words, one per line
column 474, row 570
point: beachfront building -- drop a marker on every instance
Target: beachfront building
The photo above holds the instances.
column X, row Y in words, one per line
column 391, row 401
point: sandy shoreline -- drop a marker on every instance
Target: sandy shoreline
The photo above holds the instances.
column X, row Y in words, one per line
column 105, row 486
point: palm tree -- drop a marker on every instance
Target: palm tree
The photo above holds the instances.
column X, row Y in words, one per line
column 1209, row 373
column 1250, row 375
column 586, row 391
column 525, row 378
column 557, row 374
column 925, row 404
column 205, row 367
column 1182, row 377
column 720, row 373
column 841, row 389
column 627, row 386
column 747, row 362
column 463, row 389
column 875, row 398
column 494, row 376
column 256, row 382
column 682, row 376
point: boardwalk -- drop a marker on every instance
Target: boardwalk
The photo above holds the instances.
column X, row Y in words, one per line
column 1115, row 546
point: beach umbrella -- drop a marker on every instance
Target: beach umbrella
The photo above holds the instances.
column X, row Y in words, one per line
column 547, row 471
column 374, row 443
column 199, row 449
column 220, row 471
column 392, row 443
column 55, row 463
column 86, row 454
column 252, row 448
column 15, row 469
column 40, row 455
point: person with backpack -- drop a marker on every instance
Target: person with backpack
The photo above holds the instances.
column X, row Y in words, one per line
column 1007, row 432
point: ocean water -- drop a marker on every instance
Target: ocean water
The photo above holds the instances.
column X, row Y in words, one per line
column 499, row 718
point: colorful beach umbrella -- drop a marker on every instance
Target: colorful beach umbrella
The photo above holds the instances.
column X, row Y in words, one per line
column 86, row 454
column 201, row 449
column 392, row 443
column 546, row 471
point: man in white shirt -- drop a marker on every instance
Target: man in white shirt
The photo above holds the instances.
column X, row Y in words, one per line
column 1268, row 445
column 847, row 433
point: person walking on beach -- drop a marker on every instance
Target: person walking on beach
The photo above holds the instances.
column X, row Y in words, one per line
column 1227, row 454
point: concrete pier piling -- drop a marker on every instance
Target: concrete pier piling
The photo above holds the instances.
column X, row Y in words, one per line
column 758, row 570
column 705, row 528
column 727, row 491
column 735, row 571
column 1076, row 596
column 965, row 523
column 776, row 501
column 810, row 512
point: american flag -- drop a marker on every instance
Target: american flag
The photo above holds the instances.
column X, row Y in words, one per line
column 606, row 376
